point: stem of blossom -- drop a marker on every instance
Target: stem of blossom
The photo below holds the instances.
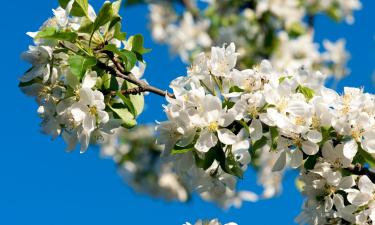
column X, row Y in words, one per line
column 358, row 169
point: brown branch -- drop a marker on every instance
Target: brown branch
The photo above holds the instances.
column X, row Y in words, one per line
column 131, row 91
column 120, row 72
column 358, row 169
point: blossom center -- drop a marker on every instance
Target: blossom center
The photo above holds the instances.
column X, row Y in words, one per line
column 213, row 126
column 93, row 110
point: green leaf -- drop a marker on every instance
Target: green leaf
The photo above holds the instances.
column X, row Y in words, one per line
column 87, row 26
column 114, row 21
column 128, row 120
column 110, row 82
column 274, row 136
column 79, row 64
column 116, row 5
column 52, row 33
column 137, row 101
column 136, row 43
column 296, row 29
column 104, row 16
column 307, row 92
column 80, row 8
column 128, row 57
column 258, row 145
column 63, row 3
column 335, row 13
column 118, row 34
column 127, row 102
column 181, row 150
column 235, row 89
column 367, row 156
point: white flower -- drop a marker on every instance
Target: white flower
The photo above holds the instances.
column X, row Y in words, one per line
column 213, row 121
column 223, row 60
column 365, row 193
column 338, row 56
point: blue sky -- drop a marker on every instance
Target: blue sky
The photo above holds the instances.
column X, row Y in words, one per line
column 41, row 184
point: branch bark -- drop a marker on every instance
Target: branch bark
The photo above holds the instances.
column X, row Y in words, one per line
column 120, row 72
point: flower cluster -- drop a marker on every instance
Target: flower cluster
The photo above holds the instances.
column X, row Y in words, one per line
column 183, row 36
column 72, row 79
column 138, row 159
column 222, row 117
column 278, row 30
column 336, row 9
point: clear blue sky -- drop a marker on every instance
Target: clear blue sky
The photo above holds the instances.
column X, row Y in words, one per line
column 40, row 184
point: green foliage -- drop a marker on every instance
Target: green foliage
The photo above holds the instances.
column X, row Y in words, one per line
column 54, row 34
column 136, row 43
column 137, row 101
column 80, row 8
column 274, row 136
column 109, row 82
column 104, row 16
column 296, row 29
column 258, row 145
column 307, row 92
column 366, row 156
column 128, row 120
column 64, row 3
column 129, row 58
column 80, row 64
column 235, row 89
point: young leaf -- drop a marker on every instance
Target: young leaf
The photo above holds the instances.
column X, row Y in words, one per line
column 63, row 3
column 104, row 16
column 258, row 144
column 367, row 156
column 128, row 120
column 128, row 57
column 80, row 8
column 136, row 43
column 127, row 102
column 274, row 136
column 79, row 64
column 109, row 82
column 137, row 101
column 307, row 92
column 53, row 34
column 87, row 26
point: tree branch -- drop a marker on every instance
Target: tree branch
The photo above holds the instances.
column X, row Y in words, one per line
column 131, row 91
column 120, row 72
column 358, row 169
